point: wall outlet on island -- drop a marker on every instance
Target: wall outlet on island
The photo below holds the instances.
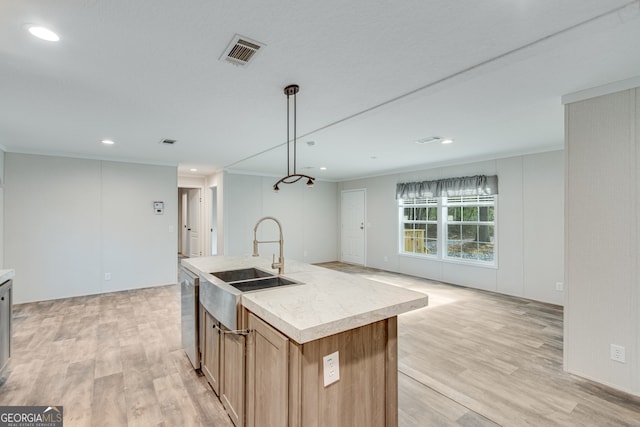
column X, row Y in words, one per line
column 107, row 276
column 559, row 286
column 331, row 368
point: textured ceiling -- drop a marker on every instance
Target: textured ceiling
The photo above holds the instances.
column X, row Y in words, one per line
column 374, row 77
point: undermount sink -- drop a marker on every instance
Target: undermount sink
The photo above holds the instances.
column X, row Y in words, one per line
column 251, row 279
column 264, row 283
column 243, row 274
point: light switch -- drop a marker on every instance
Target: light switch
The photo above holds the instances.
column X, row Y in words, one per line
column 331, row 368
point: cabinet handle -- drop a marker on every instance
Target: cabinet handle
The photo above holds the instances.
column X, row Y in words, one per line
column 235, row 332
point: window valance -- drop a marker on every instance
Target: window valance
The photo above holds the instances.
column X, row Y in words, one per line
column 478, row 185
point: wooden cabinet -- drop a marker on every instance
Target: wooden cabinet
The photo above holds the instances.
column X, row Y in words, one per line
column 280, row 382
column 232, row 391
column 285, row 380
column 210, row 343
column 267, row 376
column 223, row 364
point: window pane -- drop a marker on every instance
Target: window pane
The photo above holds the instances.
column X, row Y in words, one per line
column 432, row 246
column 408, row 244
column 453, row 240
column 408, row 214
column 469, row 232
column 485, row 233
column 485, row 251
column 433, row 214
column 486, row 213
column 421, row 214
column 408, row 237
column 455, row 213
column 470, row 250
column 453, row 232
column 470, row 213
column 432, row 231
column 454, row 249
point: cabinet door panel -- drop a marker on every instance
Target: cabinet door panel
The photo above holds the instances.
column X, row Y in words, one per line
column 269, row 368
column 232, row 392
column 211, row 352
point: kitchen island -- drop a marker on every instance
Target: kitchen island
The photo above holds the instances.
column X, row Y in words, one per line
column 320, row 352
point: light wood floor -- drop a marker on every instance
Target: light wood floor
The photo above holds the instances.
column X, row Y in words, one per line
column 471, row 358
column 475, row 358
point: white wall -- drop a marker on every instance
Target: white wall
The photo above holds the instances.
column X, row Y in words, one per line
column 308, row 217
column 529, row 231
column 603, row 238
column 70, row 221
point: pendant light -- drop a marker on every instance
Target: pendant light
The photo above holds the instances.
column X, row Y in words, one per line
column 294, row 177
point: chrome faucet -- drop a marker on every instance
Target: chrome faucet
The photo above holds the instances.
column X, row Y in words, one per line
column 280, row 264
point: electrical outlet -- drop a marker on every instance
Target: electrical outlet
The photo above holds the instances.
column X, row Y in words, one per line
column 617, row 353
column 331, row 365
column 559, row 286
column 107, row 276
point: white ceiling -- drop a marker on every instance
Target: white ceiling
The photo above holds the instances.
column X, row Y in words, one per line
column 375, row 76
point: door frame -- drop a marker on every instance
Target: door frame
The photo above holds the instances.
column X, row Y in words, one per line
column 364, row 220
column 213, row 215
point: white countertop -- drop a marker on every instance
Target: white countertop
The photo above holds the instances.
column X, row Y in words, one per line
column 326, row 303
column 6, row 275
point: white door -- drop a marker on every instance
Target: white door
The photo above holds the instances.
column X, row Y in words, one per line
column 193, row 222
column 353, row 227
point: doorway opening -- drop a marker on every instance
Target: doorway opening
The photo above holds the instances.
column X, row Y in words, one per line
column 214, row 220
column 189, row 222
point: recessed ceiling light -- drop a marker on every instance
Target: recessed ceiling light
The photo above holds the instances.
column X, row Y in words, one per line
column 446, row 141
column 193, row 170
column 107, row 142
column 374, row 157
column 323, row 168
column 43, row 33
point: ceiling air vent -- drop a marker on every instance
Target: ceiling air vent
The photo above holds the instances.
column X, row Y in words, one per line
column 167, row 141
column 241, row 50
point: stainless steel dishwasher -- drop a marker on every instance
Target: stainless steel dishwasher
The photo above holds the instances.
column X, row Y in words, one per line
column 5, row 324
column 189, row 290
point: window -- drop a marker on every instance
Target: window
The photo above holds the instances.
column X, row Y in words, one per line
column 419, row 219
column 460, row 228
column 470, row 227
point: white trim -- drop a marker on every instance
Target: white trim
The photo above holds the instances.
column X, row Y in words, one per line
column 607, row 89
column 71, row 155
